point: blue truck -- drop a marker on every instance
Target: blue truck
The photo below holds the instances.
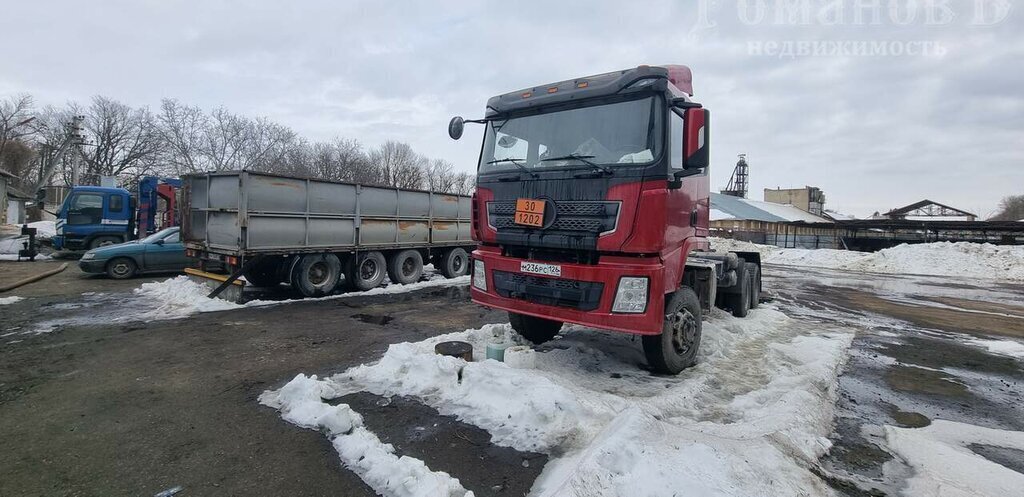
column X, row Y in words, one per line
column 95, row 216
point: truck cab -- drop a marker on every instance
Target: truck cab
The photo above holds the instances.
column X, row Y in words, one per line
column 93, row 216
column 592, row 200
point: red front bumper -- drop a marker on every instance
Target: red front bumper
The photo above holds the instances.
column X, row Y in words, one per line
column 607, row 272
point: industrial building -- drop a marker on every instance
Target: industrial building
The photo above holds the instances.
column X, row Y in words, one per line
column 770, row 223
column 808, row 199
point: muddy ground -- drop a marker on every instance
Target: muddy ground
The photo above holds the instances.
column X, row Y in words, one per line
column 89, row 406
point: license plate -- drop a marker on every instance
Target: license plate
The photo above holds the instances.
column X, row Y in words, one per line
column 529, row 212
column 543, row 269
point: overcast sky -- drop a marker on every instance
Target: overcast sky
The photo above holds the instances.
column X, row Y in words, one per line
column 938, row 114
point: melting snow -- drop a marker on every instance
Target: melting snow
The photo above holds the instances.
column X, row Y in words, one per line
column 749, row 419
column 962, row 259
column 10, row 300
column 1004, row 347
column 945, row 466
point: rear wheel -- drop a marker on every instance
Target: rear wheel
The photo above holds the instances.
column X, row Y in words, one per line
column 103, row 241
column 365, row 271
column 739, row 299
column 675, row 349
column 454, row 263
column 755, row 284
column 536, row 330
column 121, row 268
column 405, row 267
column 316, row 275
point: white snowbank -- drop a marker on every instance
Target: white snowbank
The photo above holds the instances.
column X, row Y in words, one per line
column 44, row 231
column 945, row 466
column 361, row 451
column 1004, row 347
column 749, row 419
column 179, row 297
column 10, row 300
column 972, row 260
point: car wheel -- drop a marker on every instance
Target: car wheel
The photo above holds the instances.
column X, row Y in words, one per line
column 121, row 268
column 675, row 349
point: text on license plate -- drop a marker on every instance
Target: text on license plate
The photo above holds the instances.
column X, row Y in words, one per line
column 544, row 269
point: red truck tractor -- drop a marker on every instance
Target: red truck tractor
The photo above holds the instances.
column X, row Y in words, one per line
column 592, row 207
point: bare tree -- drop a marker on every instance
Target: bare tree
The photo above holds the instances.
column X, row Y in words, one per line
column 465, row 184
column 441, row 176
column 183, row 132
column 125, row 140
column 1010, row 209
column 16, row 119
column 399, row 165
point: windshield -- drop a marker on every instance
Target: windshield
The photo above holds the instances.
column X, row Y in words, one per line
column 158, row 235
column 609, row 135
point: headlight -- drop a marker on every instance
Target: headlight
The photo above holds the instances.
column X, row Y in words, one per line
column 88, row 256
column 631, row 296
column 479, row 275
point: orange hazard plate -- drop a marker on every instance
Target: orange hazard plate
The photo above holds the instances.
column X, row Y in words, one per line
column 530, row 212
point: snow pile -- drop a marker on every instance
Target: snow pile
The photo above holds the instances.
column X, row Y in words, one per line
column 45, row 230
column 180, row 297
column 749, row 419
column 945, row 465
column 360, row 450
column 10, row 300
column 972, row 260
column 1003, row 347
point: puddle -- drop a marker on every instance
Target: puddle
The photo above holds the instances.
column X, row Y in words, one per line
column 373, row 318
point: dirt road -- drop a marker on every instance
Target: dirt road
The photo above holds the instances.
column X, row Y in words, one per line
column 91, row 404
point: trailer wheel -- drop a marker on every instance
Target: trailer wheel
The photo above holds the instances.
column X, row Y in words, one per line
column 454, row 263
column 739, row 300
column 316, row 275
column 405, row 267
column 121, row 268
column 365, row 271
column 755, row 284
column 675, row 349
column 536, row 330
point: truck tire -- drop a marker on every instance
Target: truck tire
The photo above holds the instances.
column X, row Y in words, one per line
column 121, row 268
column 536, row 330
column 454, row 263
column 405, row 267
column 103, row 241
column 315, row 275
column 755, row 284
column 365, row 271
column 265, row 274
column 739, row 299
column 675, row 349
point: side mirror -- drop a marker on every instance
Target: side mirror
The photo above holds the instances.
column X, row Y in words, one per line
column 697, row 139
column 455, row 127
column 159, row 242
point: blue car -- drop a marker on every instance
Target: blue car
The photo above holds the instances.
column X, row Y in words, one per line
column 157, row 253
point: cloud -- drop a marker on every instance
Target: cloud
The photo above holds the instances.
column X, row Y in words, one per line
column 873, row 131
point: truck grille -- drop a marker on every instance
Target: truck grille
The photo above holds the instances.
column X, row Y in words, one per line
column 576, row 216
column 582, row 295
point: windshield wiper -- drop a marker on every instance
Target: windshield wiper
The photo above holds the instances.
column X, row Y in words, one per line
column 584, row 159
column 517, row 163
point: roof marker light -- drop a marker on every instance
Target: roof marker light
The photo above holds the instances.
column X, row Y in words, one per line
column 581, row 84
column 552, row 89
column 527, row 94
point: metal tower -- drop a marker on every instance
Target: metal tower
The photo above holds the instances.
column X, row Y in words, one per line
column 738, row 181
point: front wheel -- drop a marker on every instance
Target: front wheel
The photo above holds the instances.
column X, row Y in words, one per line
column 675, row 349
column 121, row 268
column 536, row 330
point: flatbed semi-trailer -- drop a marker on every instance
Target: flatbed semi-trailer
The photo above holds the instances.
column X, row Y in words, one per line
column 314, row 234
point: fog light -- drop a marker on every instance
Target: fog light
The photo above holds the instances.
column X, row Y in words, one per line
column 631, row 296
column 479, row 276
